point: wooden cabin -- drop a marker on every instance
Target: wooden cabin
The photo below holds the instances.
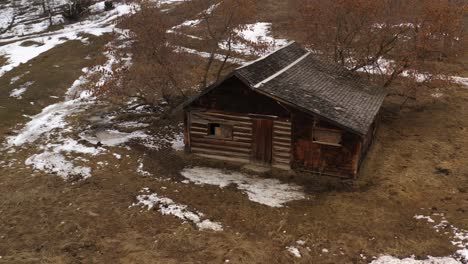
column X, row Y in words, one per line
column 286, row 110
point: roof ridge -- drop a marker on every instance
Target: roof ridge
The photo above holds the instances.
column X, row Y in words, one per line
column 265, row 56
column 282, row 70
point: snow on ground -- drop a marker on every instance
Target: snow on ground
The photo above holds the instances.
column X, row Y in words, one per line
column 294, row 251
column 412, row 260
column 178, row 142
column 269, row 192
column 167, row 206
column 459, row 235
column 459, row 239
column 112, row 137
column 18, row 92
column 132, row 124
column 49, row 130
column 198, row 20
column 459, row 80
column 383, row 66
column 98, row 24
column 141, row 171
column 49, row 119
column 257, row 34
column 203, row 54
column 56, row 163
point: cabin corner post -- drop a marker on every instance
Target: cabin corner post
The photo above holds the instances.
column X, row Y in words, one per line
column 357, row 158
column 187, row 130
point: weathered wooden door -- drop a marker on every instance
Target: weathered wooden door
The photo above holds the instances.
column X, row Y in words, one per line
column 262, row 140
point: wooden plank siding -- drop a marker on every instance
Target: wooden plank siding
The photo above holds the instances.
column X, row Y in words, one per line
column 237, row 147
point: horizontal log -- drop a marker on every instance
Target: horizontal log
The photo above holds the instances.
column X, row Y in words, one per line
column 285, row 123
column 243, row 139
column 281, row 153
column 237, row 133
column 221, row 147
column 281, row 127
column 284, row 149
column 243, row 129
column 221, row 118
column 279, row 160
column 219, row 152
column 281, row 138
column 282, row 133
column 194, row 133
column 232, row 143
column 224, row 114
column 199, row 129
column 234, row 139
column 282, row 144
column 217, row 157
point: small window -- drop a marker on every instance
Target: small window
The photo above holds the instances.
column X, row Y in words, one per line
column 219, row 130
column 326, row 136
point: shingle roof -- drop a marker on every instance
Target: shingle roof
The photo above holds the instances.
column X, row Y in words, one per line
column 293, row 75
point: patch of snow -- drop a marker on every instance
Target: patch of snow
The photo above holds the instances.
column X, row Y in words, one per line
column 258, row 33
column 56, row 163
column 203, row 54
column 196, row 22
column 16, row 78
column 52, row 117
column 111, row 137
column 167, row 206
column 132, row 124
column 141, row 171
column 18, row 92
column 294, row 251
column 178, row 142
column 428, row 218
column 459, row 80
column 429, row 260
column 269, row 192
column 95, row 25
column 69, row 145
column 300, row 242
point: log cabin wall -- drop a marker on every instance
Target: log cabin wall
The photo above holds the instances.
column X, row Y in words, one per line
column 240, row 144
column 340, row 160
column 237, row 146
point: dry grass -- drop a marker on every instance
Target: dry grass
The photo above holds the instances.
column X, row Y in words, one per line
column 53, row 72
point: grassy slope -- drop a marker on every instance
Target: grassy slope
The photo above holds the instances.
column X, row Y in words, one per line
column 45, row 219
column 49, row 80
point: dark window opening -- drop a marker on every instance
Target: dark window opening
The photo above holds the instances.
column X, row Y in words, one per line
column 219, row 130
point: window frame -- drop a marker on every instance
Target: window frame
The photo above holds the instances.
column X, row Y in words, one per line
column 315, row 127
column 221, row 125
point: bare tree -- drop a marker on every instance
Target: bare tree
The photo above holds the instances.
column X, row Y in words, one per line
column 14, row 14
column 384, row 37
column 158, row 71
column 221, row 23
column 47, row 10
column 161, row 69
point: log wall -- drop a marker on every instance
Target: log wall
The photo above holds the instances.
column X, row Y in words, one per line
column 239, row 147
column 282, row 143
